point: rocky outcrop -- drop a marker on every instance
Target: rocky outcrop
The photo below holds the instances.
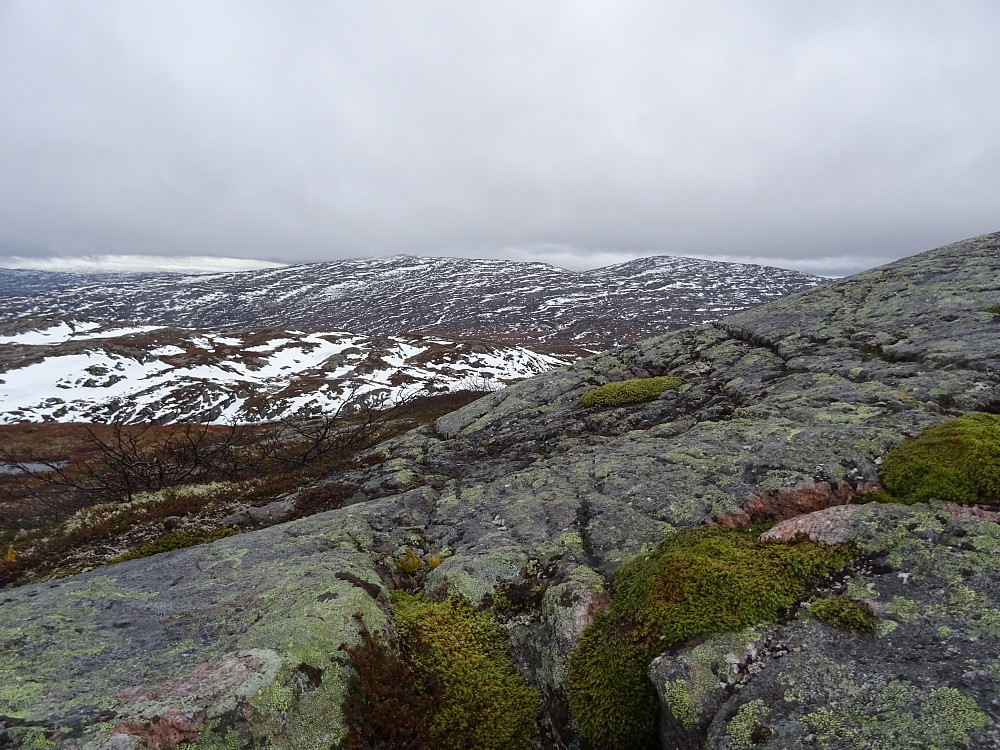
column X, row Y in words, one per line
column 790, row 406
column 927, row 677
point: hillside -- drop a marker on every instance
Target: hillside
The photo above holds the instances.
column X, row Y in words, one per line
column 455, row 297
column 71, row 370
column 552, row 516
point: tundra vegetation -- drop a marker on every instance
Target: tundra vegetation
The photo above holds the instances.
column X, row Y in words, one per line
column 958, row 460
column 633, row 391
column 694, row 582
column 76, row 496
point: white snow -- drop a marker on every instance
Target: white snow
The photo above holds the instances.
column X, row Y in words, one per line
column 101, row 384
column 71, row 331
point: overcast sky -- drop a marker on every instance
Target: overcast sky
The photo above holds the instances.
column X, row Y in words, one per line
column 823, row 136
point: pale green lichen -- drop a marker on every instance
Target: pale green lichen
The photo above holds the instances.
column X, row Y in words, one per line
column 743, row 724
column 905, row 609
column 708, row 670
column 862, row 588
column 474, row 577
column 17, row 695
column 589, row 577
column 103, row 587
column 678, row 699
column 941, row 720
column 885, row 627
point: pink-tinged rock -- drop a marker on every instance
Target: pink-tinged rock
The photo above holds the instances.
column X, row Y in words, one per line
column 793, row 502
column 168, row 713
column 971, row 513
column 828, row 525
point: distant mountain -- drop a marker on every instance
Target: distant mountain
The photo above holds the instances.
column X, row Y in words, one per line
column 457, row 297
column 81, row 372
column 19, row 282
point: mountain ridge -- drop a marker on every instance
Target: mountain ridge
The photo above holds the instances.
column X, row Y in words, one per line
column 457, row 297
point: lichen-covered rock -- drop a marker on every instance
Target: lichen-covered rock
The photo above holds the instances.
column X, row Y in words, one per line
column 783, row 409
column 693, row 682
column 927, row 677
column 240, row 635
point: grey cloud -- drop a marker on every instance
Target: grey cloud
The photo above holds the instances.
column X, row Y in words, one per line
column 829, row 137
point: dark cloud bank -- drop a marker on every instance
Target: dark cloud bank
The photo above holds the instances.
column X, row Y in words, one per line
column 827, row 137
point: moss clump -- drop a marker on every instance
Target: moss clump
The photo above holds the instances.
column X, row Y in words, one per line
column 995, row 309
column 633, row 391
column 844, row 613
column 958, row 461
column 694, row 582
column 175, row 540
column 462, row 657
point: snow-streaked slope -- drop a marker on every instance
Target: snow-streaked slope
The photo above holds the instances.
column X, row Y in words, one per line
column 84, row 371
column 494, row 299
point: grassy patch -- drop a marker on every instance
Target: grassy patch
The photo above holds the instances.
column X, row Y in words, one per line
column 844, row 613
column 995, row 310
column 694, row 582
column 958, row 461
column 172, row 541
column 633, row 391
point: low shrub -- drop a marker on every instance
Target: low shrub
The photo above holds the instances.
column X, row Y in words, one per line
column 387, row 705
column 633, row 391
column 694, row 582
column 958, row 461
column 844, row 613
column 172, row 541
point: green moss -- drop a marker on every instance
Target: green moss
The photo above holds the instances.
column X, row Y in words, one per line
column 844, row 613
column 172, row 541
column 995, row 310
column 483, row 702
column 694, row 582
column 633, row 391
column 958, row 460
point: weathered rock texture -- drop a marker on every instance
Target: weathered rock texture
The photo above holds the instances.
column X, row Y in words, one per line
column 784, row 409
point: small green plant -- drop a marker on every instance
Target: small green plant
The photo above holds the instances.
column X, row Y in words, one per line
column 995, row 310
column 410, row 562
column 172, row 541
column 844, row 613
column 462, row 657
column 958, row 461
column 694, row 582
column 633, row 391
